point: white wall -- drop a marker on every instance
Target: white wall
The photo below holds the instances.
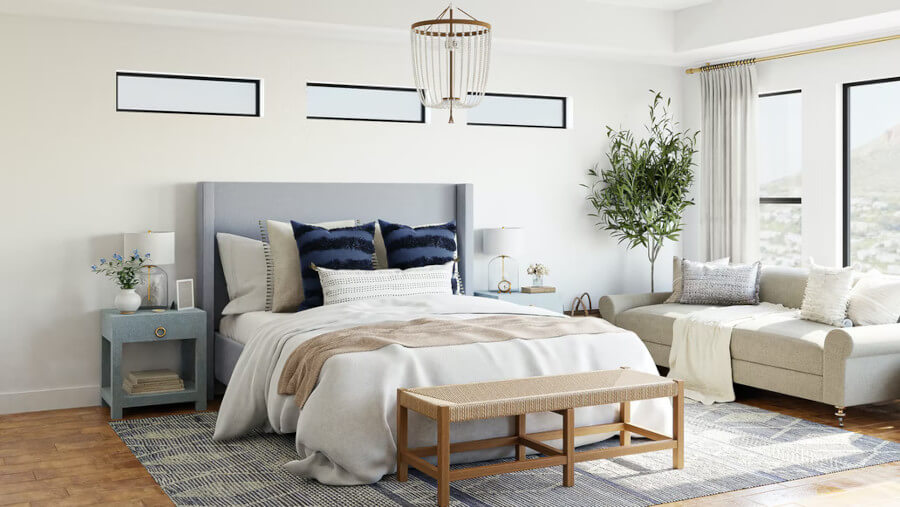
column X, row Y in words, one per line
column 820, row 77
column 77, row 174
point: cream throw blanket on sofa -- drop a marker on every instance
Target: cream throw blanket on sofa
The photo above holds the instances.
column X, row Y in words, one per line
column 701, row 349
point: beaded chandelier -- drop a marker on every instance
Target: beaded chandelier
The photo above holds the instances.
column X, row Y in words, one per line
column 450, row 60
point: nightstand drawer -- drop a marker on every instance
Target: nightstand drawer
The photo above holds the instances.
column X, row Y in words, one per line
column 148, row 326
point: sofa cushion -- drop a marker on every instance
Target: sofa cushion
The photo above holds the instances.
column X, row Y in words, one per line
column 783, row 285
column 785, row 341
column 654, row 323
column 780, row 340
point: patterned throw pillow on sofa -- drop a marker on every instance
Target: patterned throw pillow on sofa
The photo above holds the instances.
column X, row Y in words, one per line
column 712, row 284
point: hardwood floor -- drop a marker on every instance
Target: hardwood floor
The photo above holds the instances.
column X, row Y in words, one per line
column 72, row 457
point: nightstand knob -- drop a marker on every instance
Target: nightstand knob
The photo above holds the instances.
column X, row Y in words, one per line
column 160, row 332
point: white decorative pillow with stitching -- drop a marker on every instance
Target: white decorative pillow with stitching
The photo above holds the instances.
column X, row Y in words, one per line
column 244, row 264
column 342, row 285
column 827, row 294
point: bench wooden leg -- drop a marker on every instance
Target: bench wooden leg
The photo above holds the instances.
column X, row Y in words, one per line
column 625, row 413
column 569, row 447
column 443, row 457
column 520, row 432
column 678, row 426
column 402, row 437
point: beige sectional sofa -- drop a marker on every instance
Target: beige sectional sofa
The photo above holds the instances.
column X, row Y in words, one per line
column 841, row 367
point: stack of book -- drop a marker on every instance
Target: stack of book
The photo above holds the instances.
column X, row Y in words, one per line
column 152, row 381
column 538, row 290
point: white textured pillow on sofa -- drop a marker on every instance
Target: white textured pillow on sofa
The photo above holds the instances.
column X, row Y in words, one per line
column 678, row 278
column 287, row 290
column 246, row 278
column 827, row 294
column 875, row 300
column 342, row 285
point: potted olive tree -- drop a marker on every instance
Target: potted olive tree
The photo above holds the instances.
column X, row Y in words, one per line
column 641, row 196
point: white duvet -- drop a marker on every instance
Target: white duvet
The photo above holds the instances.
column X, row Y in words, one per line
column 345, row 432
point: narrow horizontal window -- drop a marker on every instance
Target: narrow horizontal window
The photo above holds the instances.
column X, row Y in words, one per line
column 500, row 109
column 363, row 103
column 169, row 93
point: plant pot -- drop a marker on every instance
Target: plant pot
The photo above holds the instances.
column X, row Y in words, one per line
column 128, row 301
column 537, row 280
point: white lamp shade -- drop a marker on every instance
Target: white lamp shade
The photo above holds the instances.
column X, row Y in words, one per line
column 160, row 246
column 503, row 241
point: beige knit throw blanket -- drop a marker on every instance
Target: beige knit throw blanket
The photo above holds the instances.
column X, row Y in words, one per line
column 301, row 372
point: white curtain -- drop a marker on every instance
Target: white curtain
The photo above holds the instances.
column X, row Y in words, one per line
column 729, row 188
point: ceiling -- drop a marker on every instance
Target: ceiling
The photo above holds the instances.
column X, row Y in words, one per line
column 666, row 5
column 670, row 32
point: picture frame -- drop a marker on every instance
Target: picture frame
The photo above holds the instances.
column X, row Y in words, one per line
column 184, row 293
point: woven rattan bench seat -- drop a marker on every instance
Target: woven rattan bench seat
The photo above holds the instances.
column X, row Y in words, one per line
column 484, row 400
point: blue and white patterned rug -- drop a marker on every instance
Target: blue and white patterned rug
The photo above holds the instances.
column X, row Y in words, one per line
column 729, row 447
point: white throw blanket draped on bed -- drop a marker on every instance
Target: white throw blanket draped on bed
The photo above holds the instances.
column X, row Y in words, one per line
column 345, row 431
column 701, row 349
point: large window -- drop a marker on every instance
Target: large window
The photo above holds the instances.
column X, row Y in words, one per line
column 872, row 175
column 780, row 164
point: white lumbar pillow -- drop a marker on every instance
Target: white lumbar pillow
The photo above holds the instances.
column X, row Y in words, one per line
column 244, row 263
column 287, row 285
column 875, row 300
column 827, row 294
column 678, row 277
column 342, row 285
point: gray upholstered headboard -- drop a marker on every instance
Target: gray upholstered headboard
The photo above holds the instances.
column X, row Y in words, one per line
column 236, row 208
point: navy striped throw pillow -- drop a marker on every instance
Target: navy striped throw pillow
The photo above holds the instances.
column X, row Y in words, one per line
column 426, row 245
column 343, row 248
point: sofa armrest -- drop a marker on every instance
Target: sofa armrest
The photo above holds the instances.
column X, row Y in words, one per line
column 612, row 306
column 863, row 341
column 861, row 365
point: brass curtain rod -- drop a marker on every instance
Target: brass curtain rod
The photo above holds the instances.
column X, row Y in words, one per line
column 793, row 53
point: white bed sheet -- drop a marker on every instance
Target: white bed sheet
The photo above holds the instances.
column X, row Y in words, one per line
column 345, row 433
column 241, row 328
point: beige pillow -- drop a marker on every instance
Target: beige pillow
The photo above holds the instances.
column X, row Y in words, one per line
column 827, row 294
column 875, row 300
column 678, row 278
column 287, row 290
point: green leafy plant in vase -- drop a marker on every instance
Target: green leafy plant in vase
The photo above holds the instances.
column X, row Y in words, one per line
column 125, row 274
column 641, row 197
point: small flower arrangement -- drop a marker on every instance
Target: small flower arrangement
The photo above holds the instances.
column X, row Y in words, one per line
column 123, row 271
column 538, row 269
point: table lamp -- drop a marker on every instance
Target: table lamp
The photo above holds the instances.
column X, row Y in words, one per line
column 154, row 286
column 503, row 270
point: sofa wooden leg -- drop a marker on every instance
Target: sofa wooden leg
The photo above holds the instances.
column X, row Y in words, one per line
column 839, row 412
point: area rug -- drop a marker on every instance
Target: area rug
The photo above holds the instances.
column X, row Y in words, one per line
column 729, row 447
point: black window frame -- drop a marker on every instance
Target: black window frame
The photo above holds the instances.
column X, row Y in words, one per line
column 565, row 111
column 367, row 87
column 256, row 82
column 845, row 156
column 780, row 200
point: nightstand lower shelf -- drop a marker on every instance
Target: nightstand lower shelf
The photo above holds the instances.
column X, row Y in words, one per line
column 189, row 394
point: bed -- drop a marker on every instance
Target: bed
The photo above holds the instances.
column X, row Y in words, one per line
column 345, row 431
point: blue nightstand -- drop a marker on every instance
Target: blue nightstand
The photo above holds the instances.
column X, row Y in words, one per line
column 548, row 300
column 185, row 326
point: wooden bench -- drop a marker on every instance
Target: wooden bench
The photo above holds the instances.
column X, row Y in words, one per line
column 561, row 394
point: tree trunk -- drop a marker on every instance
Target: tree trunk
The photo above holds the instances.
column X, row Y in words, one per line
column 652, row 267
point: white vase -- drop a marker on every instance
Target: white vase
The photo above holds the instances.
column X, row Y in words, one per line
column 128, row 301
